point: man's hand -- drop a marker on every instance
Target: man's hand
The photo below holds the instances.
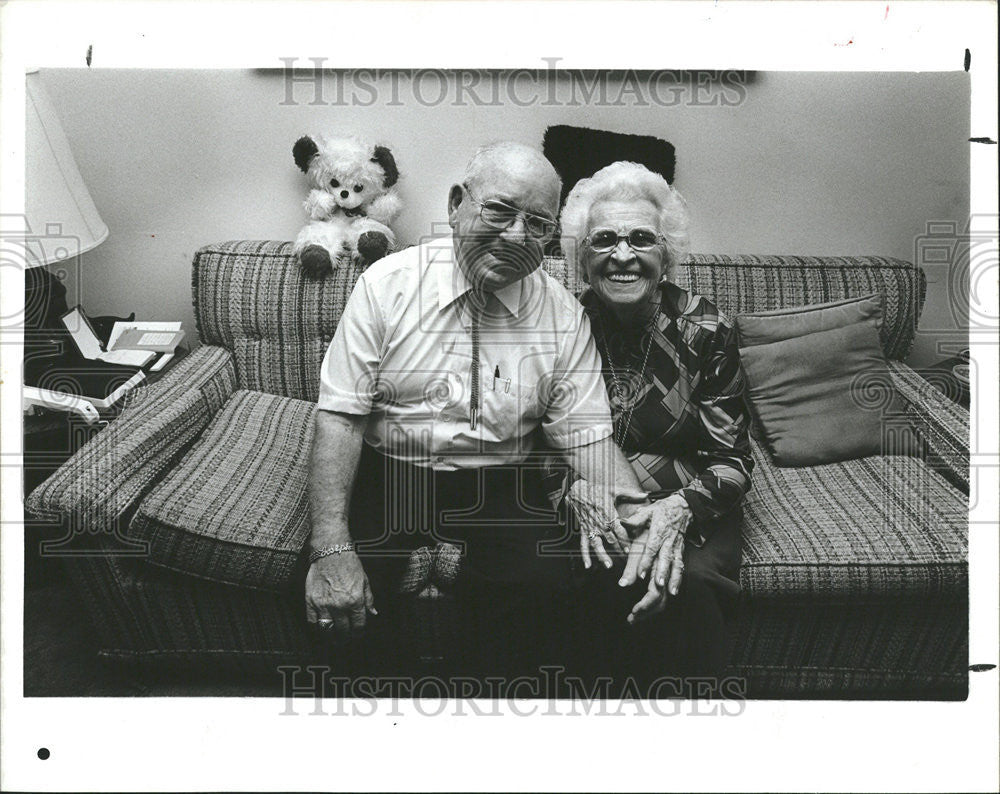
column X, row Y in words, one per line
column 665, row 522
column 594, row 509
column 338, row 595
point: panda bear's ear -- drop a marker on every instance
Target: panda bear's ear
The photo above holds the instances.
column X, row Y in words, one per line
column 385, row 159
column 303, row 151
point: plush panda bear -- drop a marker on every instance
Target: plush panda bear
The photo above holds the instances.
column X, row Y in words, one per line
column 351, row 203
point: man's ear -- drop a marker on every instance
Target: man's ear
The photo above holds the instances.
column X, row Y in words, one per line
column 455, row 199
column 303, row 151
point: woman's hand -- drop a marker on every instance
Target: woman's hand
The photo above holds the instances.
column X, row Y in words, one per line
column 594, row 509
column 655, row 598
column 665, row 522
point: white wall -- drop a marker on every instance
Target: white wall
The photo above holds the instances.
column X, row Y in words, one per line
column 806, row 163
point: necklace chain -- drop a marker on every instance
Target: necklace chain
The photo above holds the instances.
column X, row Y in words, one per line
column 619, row 383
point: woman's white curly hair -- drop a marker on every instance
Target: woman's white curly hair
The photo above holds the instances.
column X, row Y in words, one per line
column 625, row 181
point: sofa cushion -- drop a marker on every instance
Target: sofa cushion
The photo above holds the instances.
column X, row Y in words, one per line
column 235, row 508
column 804, row 392
column 109, row 474
column 875, row 528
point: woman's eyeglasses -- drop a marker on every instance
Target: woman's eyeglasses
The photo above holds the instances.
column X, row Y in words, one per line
column 642, row 239
column 498, row 215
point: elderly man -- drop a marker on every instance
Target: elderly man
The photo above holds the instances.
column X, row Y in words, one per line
column 448, row 358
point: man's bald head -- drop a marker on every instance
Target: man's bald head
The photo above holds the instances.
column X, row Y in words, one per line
column 506, row 159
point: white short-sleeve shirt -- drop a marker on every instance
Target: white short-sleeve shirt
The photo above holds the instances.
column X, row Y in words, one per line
column 402, row 352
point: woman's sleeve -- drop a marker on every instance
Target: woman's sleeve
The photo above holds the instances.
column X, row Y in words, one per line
column 723, row 452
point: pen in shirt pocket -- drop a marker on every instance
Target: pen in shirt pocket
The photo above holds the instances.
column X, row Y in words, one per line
column 497, row 379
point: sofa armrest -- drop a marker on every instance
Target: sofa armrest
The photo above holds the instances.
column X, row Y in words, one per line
column 942, row 424
column 98, row 484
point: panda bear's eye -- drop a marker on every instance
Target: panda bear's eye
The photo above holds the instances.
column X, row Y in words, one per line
column 334, row 183
column 358, row 188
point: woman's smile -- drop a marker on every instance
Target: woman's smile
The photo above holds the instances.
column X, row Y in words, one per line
column 623, row 278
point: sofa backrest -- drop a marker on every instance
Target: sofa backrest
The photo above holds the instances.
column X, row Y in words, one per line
column 252, row 298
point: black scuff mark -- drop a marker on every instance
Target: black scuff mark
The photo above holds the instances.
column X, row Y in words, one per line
column 983, row 140
column 968, row 59
column 981, row 668
column 90, row 54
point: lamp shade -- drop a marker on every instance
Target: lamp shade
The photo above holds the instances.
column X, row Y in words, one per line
column 61, row 215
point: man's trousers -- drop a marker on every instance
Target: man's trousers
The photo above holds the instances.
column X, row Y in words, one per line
column 522, row 594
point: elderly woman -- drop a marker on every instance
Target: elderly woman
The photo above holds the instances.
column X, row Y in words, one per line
column 672, row 371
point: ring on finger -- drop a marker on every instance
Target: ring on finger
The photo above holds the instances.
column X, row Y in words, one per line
column 324, row 623
column 593, row 534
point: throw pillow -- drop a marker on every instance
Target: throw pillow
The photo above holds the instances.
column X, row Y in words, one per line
column 817, row 380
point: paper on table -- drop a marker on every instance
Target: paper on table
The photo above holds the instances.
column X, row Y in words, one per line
column 144, row 339
column 120, row 328
column 131, row 358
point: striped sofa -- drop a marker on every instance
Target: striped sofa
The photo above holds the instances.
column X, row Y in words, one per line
column 189, row 511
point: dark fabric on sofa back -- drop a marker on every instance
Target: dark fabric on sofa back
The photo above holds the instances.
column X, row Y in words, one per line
column 252, row 298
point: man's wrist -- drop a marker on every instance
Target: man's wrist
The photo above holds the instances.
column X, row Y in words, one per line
column 332, row 534
column 329, row 551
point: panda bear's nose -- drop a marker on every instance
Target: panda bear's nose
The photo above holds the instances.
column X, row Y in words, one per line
column 344, row 193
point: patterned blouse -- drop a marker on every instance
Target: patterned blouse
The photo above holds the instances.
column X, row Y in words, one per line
column 688, row 428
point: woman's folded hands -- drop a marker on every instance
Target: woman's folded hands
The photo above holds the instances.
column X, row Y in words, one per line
column 657, row 551
column 651, row 536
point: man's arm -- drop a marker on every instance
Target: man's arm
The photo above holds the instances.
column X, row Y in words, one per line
column 599, row 474
column 599, row 470
column 333, row 466
column 604, row 466
column 337, row 592
column 337, row 589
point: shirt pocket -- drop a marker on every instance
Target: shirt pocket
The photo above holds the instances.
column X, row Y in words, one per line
column 510, row 409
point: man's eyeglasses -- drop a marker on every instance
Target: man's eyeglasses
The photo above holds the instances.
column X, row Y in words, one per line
column 498, row 215
column 641, row 239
